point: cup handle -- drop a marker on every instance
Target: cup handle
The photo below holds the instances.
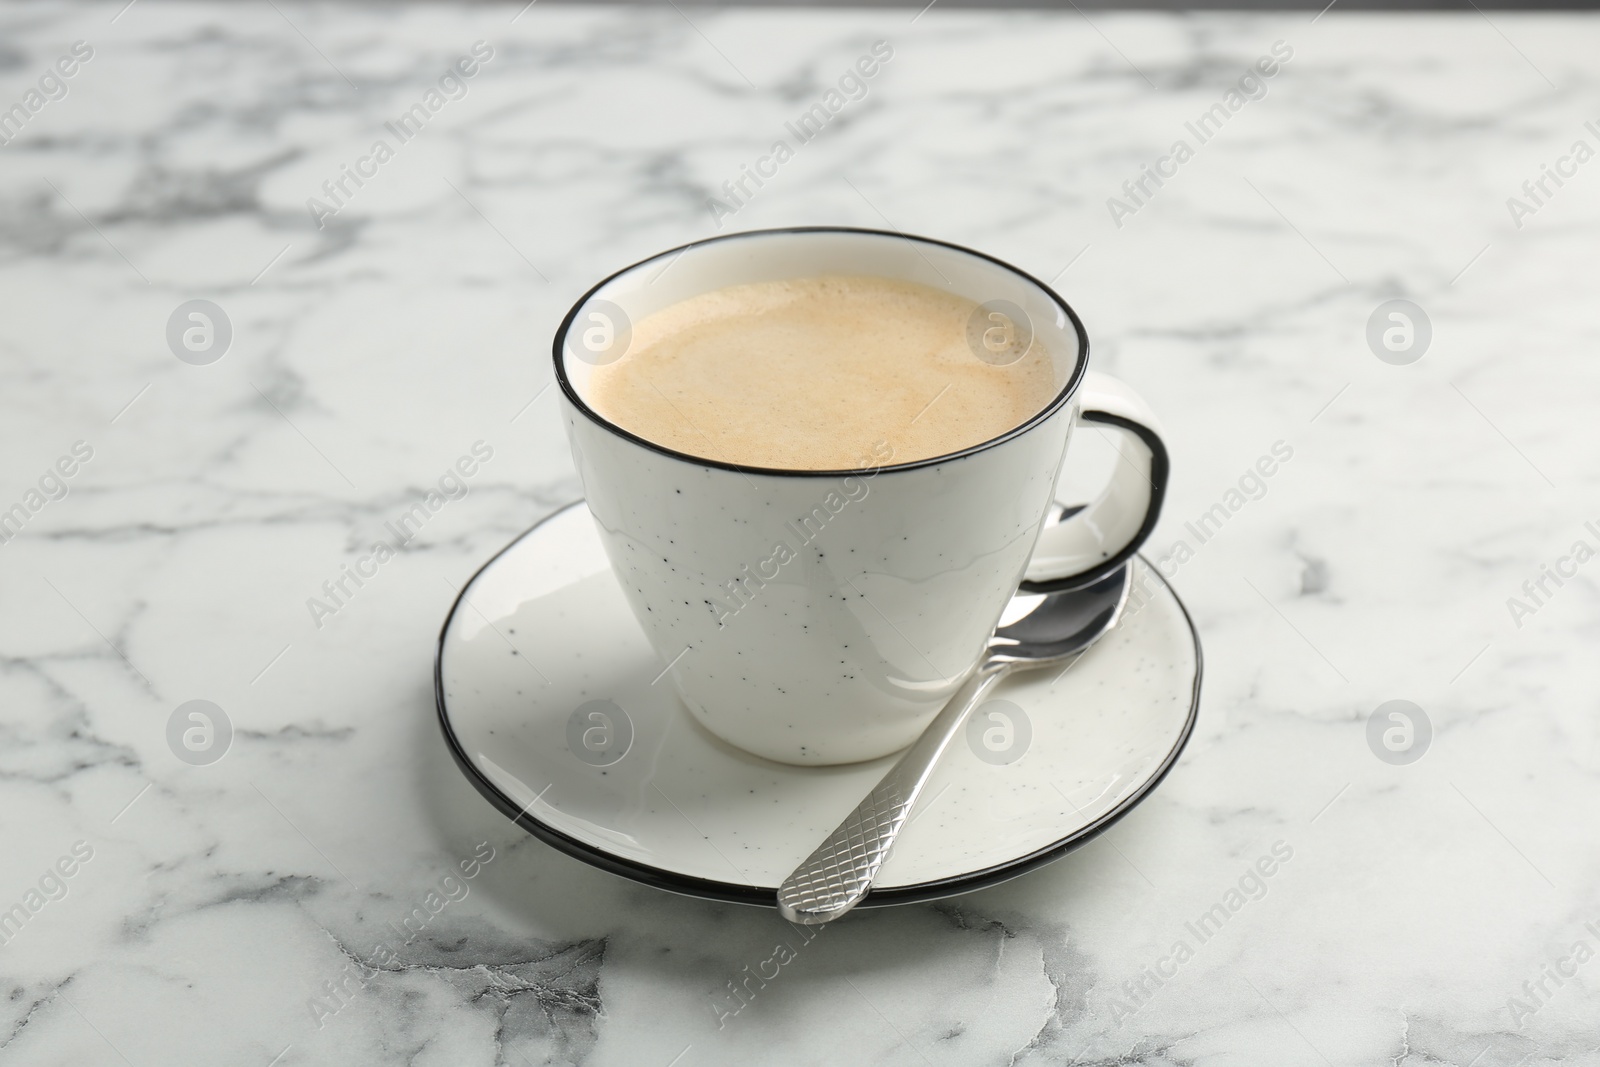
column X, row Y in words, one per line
column 1096, row 540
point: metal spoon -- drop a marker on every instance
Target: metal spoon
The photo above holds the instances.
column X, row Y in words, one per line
column 1037, row 630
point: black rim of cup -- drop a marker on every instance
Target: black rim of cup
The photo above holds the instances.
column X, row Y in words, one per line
column 1056, row 404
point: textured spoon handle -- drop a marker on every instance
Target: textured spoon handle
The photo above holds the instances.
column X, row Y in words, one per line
column 841, row 871
column 838, row 875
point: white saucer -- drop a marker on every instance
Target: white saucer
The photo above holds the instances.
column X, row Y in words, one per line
column 541, row 640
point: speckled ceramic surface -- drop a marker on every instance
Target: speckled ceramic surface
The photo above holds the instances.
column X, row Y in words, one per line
column 555, row 707
column 805, row 614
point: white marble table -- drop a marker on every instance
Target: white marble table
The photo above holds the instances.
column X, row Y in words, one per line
column 368, row 354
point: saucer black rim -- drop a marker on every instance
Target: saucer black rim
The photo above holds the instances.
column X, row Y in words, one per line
column 737, row 893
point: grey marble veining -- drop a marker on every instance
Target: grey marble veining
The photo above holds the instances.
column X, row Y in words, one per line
column 255, row 910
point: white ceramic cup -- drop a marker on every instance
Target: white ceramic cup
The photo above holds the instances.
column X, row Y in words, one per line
column 817, row 617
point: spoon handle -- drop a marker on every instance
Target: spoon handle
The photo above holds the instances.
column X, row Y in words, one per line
column 837, row 876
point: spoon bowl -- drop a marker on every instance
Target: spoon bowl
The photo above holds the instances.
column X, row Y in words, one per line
column 1044, row 628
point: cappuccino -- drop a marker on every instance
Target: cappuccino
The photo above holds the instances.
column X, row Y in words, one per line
column 820, row 373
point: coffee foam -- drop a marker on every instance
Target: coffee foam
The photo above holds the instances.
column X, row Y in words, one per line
column 818, row 374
